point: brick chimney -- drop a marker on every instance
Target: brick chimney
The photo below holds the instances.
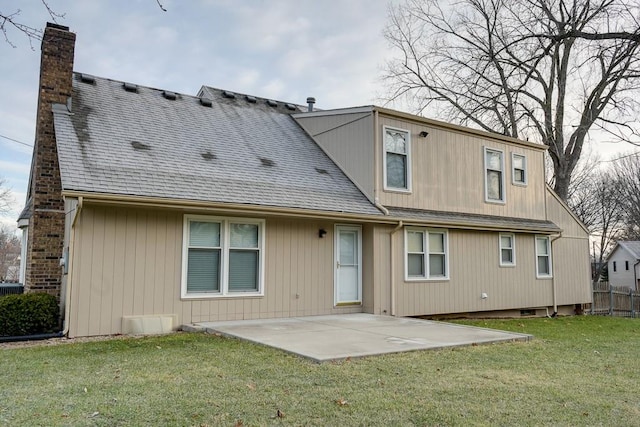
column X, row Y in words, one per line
column 46, row 225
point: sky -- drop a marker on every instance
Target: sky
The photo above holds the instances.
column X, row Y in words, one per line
column 287, row 50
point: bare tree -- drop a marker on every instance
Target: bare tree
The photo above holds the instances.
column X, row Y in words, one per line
column 549, row 71
column 9, row 255
column 11, row 22
column 5, row 197
column 627, row 175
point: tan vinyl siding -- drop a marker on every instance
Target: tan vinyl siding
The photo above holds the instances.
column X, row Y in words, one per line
column 448, row 173
column 128, row 263
column 474, row 269
column 348, row 140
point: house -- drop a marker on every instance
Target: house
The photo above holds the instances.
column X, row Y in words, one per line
column 150, row 209
column 623, row 264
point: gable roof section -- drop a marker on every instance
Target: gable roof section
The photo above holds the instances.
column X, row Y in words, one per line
column 137, row 142
column 631, row 246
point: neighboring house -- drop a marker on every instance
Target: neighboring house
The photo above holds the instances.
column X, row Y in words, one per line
column 623, row 264
column 168, row 209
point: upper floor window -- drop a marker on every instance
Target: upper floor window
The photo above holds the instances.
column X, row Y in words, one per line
column 615, row 267
column 626, row 265
column 543, row 257
column 494, row 175
column 507, row 250
column 222, row 256
column 397, row 159
column 426, row 254
column 519, row 172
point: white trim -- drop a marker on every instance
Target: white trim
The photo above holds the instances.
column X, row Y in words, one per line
column 525, row 171
column 503, row 200
column 425, row 247
column 225, row 247
column 513, row 249
column 384, row 161
column 358, row 230
column 549, row 255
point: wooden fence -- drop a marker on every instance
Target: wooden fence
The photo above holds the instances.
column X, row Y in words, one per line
column 615, row 300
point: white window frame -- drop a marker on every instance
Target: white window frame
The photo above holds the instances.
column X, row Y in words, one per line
column 225, row 244
column 384, row 160
column 540, row 275
column 425, row 246
column 502, row 180
column 524, row 171
column 512, row 248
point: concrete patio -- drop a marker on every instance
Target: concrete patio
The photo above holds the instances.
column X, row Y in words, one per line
column 336, row 337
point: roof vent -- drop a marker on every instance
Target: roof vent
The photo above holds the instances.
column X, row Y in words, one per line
column 87, row 78
column 290, row 106
column 310, row 101
column 272, row 103
column 208, row 155
column 251, row 99
column 266, row 162
column 206, row 102
column 169, row 95
column 130, row 87
column 139, row 145
column 322, row 171
column 228, row 94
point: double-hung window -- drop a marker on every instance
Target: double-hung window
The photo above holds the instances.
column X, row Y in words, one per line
column 426, row 254
column 519, row 169
column 543, row 257
column 222, row 257
column 494, row 175
column 507, row 250
column 397, row 159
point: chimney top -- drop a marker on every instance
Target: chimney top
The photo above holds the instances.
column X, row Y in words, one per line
column 57, row 26
column 310, row 101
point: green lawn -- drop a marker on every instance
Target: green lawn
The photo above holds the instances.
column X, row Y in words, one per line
column 577, row 371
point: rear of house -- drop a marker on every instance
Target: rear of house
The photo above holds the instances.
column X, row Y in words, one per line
column 168, row 209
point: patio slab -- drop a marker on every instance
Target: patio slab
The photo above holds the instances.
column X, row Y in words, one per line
column 341, row 336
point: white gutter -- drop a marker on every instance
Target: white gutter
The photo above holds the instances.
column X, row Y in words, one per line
column 67, row 294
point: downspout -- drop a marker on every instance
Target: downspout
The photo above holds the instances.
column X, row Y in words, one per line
column 67, row 295
column 635, row 274
column 393, row 270
column 553, row 279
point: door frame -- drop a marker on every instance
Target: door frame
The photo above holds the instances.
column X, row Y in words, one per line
column 358, row 230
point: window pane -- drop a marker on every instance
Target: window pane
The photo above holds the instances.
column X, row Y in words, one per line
column 348, row 248
column 415, row 265
column 203, row 270
column 395, row 142
column 396, row 170
column 541, row 246
column 436, row 242
column 243, row 271
column 506, row 241
column 436, row 265
column 494, row 160
column 507, row 256
column 518, row 175
column 518, row 162
column 205, row 234
column 543, row 265
column 244, row 235
column 494, row 185
column 415, row 241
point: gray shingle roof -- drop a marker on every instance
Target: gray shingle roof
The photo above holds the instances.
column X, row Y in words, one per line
column 143, row 144
column 474, row 220
column 632, row 246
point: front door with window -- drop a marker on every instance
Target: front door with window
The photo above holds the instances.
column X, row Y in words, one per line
column 348, row 276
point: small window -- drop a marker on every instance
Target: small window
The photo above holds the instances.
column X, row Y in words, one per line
column 426, row 254
column 494, row 175
column 222, row 257
column 397, row 159
column 626, row 265
column 519, row 172
column 543, row 257
column 615, row 267
column 507, row 250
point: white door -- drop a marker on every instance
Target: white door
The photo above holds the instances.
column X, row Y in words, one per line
column 348, row 277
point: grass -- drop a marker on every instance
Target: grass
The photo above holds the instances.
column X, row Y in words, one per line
column 577, row 371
